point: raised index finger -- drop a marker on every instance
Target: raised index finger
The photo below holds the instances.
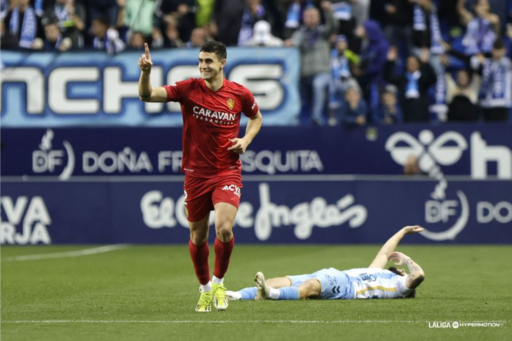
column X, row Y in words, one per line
column 146, row 48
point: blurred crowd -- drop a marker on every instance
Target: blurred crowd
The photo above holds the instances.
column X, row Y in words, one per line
column 362, row 62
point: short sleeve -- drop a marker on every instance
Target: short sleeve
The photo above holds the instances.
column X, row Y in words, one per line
column 250, row 106
column 401, row 286
column 177, row 91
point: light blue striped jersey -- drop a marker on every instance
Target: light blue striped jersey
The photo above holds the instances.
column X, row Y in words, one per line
column 377, row 283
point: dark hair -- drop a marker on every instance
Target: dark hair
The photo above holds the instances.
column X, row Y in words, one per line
column 102, row 20
column 50, row 20
column 394, row 270
column 417, row 59
column 498, row 44
column 215, row 47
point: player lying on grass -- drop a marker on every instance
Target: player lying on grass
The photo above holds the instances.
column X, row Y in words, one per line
column 372, row 282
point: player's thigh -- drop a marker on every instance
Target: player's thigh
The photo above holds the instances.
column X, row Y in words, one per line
column 198, row 200
column 334, row 284
column 225, row 199
column 198, row 215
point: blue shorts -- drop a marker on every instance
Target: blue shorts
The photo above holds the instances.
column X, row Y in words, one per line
column 335, row 283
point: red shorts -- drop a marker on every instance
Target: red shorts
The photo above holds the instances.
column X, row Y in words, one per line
column 202, row 194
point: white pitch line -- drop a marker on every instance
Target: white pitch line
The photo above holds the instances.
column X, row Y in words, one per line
column 227, row 322
column 79, row 253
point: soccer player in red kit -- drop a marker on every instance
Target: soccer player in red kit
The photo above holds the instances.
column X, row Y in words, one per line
column 211, row 107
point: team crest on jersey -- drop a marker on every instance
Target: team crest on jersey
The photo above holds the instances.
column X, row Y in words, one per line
column 231, row 103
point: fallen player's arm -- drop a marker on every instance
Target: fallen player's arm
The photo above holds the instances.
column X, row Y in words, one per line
column 416, row 274
column 389, row 247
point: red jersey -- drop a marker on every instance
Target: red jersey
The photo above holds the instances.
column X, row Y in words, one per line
column 210, row 120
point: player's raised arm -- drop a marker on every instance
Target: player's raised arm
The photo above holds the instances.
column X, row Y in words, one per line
column 416, row 274
column 389, row 247
column 146, row 92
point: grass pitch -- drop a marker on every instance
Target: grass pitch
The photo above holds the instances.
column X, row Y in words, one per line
column 149, row 293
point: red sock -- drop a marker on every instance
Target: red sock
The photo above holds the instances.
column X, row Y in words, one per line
column 199, row 255
column 222, row 256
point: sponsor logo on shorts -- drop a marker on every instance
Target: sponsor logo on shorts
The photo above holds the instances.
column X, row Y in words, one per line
column 232, row 188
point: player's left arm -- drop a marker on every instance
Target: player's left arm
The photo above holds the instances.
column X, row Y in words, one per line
column 253, row 127
column 416, row 273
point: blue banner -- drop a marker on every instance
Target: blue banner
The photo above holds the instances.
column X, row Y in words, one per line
column 479, row 151
column 95, row 89
column 306, row 210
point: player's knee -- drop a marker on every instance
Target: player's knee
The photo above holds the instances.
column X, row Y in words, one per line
column 224, row 232
column 198, row 238
column 309, row 288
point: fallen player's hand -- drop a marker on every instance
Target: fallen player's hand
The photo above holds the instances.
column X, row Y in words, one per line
column 240, row 145
column 412, row 229
column 398, row 257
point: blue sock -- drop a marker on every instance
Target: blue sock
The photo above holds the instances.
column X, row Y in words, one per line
column 248, row 293
column 289, row 293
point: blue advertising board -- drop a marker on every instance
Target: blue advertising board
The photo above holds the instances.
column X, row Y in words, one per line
column 479, row 151
column 307, row 210
column 44, row 89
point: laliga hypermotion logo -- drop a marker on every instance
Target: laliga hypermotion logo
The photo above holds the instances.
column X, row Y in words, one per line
column 432, row 153
column 46, row 159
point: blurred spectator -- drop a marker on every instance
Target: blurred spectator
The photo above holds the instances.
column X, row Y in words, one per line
column 171, row 37
column 353, row 110
column 294, row 15
column 496, row 90
column 4, row 9
column 107, row 9
column 180, row 12
column 253, row 12
column 482, row 27
column 262, row 36
column 350, row 14
column 136, row 15
column 426, row 28
column 22, row 26
column 413, row 84
column 136, row 41
column 105, row 38
column 373, row 52
column 360, row 10
column 313, row 41
column 227, row 21
column 427, row 33
column 54, row 39
column 203, row 12
column 342, row 59
column 398, row 24
column 372, row 60
column 198, row 38
column 462, row 96
column 70, row 17
column 389, row 111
